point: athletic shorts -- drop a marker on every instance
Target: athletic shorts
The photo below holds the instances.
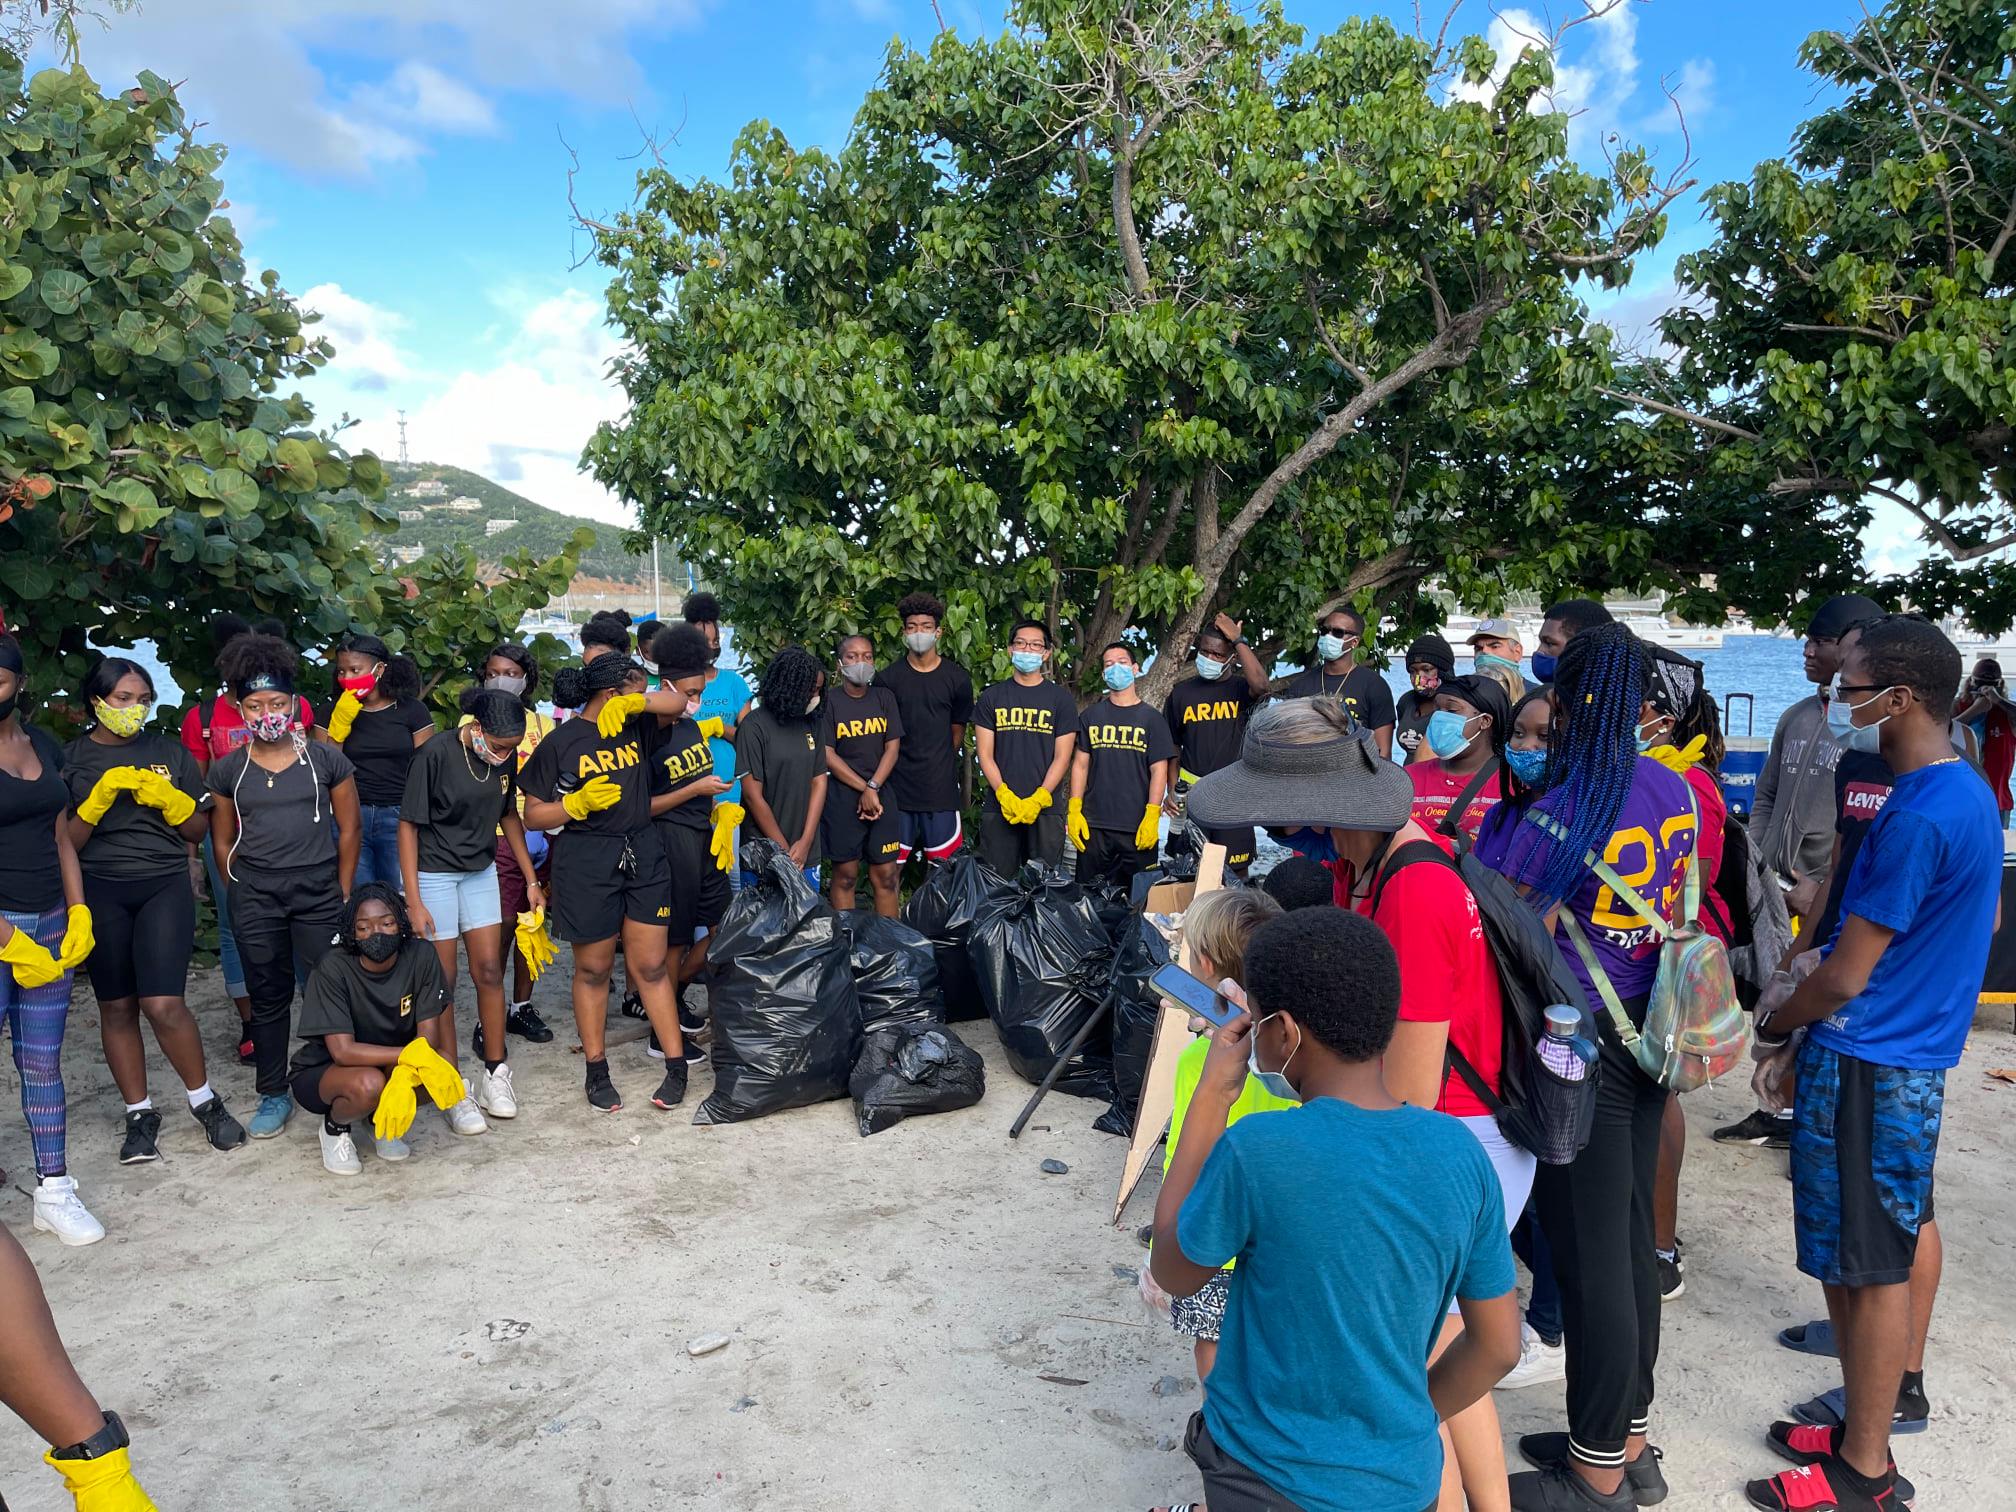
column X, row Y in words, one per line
column 699, row 887
column 935, row 832
column 511, row 898
column 1202, row 1314
column 306, row 1085
column 144, row 928
column 601, row 880
column 845, row 836
column 1864, row 1138
column 1238, row 845
column 461, row 901
column 1228, row 1485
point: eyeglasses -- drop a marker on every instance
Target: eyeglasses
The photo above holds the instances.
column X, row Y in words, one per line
column 1344, row 632
column 1863, row 687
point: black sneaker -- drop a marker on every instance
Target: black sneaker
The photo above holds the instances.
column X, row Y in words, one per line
column 692, row 1018
column 222, row 1130
column 1757, row 1128
column 602, row 1094
column 523, row 1020
column 633, row 1005
column 1562, row 1490
column 142, row 1129
column 671, row 1091
column 692, row 1054
column 1672, row 1278
column 1642, row 1477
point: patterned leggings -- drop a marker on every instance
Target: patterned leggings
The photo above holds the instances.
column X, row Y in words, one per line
column 35, row 1017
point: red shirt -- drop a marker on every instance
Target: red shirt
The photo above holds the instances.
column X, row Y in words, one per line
column 1446, row 971
column 1711, row 811
column 227, row 730
column 1436, row 789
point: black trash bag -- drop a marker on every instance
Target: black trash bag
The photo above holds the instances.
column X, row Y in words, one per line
column 909, row 1069
column 1045, row 963
column 895, row 973
column 1137, row 1008
column 786, row 1021
column 942, row 910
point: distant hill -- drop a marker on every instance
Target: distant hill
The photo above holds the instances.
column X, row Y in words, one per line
column 542, row 531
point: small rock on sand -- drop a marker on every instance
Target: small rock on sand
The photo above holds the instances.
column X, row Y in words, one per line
column 706, row 1344
column 1055, row 1168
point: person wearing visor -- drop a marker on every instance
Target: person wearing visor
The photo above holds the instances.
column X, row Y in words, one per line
column 1362, row 690
column 1207, row 714
column 1465, row 748
column 1430, row 663
column 1118, row 777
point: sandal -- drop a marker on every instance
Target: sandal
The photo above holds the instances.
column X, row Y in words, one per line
column 1815, row 1338
column 1830, row 1410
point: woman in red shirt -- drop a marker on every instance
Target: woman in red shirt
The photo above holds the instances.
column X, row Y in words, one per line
column 1463, row 737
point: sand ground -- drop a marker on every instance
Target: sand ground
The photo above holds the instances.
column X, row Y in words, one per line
column 501, row 1322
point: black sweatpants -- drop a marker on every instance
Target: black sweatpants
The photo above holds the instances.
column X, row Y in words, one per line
column 283, row 920
column 1597, row 1212
column 1005, row 847
column 1112, row 856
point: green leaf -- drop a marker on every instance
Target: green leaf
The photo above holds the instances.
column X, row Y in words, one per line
column 27, row 577
column 63, row 291
column 234, row 490
column 16, row 403
column 13, row 279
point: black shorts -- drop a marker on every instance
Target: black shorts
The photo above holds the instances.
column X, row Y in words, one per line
column 145, row 928
column 1230, row 1486
column 306, row 1085
column 935, row 832
column 1238, row 845
column 1112, row 856
column 699, row 887
column 601, row 880
column 845, row 836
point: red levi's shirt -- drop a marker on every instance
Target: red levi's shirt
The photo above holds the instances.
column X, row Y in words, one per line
column 1436, row 789
column 1446, row 971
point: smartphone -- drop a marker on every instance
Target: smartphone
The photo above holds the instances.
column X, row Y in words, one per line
column 1185, row 990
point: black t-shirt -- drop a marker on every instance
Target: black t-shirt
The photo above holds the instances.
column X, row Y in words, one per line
column 1207, row 722
column 1122, row 742
column 1410, row 720
column 380, row 747
column 787, row 757
column 456, row 800
column 285, row 818
column 30, row 880
column 684, row 757
column 1861, row 787
column 1026, row 723
column 576, row 752
column 133, row 839
column 343, row 998
column 926, row 779
column 858, row 728
column 1361, row 690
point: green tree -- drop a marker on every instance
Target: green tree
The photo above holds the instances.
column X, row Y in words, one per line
column 1142, row 310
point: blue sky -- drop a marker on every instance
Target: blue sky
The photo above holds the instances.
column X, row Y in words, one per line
column 401, row 163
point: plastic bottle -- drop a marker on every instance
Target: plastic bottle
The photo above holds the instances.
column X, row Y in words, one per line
column 1557, row 1049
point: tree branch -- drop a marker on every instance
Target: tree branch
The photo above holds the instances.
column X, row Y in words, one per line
column 1935, row 530
column 1323, row 334
column 1690, row 416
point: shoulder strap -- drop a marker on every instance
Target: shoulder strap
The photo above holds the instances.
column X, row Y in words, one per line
column 1626, row 893
column 1460, row 1063
column 1410, row 853
column 1614, row 1005
column 206, row 712
column 1453, row 819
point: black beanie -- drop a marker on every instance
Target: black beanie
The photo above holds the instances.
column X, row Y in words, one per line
column 1433, row 650
column 1842, row 613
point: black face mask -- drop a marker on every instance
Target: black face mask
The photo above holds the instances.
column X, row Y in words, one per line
column 7, row 704
column 378, row 948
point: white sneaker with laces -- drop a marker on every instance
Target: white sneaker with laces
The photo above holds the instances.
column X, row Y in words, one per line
column 394, row 1150
column 464, row 1119
column 59, row 1211
column 1539, row 1362
column 339, row 1153
column 494, row 1093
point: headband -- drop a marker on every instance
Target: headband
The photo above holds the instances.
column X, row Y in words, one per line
column 266, row 682
column 10, row 657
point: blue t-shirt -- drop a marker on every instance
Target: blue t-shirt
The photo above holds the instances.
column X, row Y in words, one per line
column 1353, row 1231
column 723, row 700
column 1930, row 868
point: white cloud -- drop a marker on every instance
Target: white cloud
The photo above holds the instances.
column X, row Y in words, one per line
column 422, row 95
column 366, row 337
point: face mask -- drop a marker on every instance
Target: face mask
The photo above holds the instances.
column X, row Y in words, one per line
column 1210, row 668
column 126, row 721
column 1527, row 765
column 7, row 704
column 1427, row 682
column 271, row 727
column 1119, row 677
column 482, row 748
column 858, row 673
column 812, row 708
column 378, row 948
column 361, row 684
column 1026, row 662
column 1645, row 741
column 1448, row 733
column 1275, row 1082
column 1543, row 666
column 1313, row 843
column 1486, row 661
column 1841, row 724
column 515, row 686
column 1329, row 647
column 921, row 641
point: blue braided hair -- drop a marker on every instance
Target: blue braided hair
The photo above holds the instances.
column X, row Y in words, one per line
column 1593, row 757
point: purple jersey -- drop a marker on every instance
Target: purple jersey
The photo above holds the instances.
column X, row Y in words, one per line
column 1650, row 847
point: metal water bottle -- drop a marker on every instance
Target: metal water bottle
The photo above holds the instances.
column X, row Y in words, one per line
column 1557, row 1049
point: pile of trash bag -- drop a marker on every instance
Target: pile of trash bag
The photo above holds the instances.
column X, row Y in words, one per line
column 895, row 973
column 909, row 1069
column 786, row 1019
column 1137, row 1008
column 942, row 909
column 1044, row 963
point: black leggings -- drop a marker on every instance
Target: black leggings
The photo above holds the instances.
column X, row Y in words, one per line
column 1598, row 1216
column 145, row 928
column 283, row 919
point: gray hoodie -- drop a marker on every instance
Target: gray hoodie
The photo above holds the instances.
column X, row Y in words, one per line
column 1792, row 819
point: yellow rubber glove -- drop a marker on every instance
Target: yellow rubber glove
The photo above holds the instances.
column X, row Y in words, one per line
column 1011, row 806
column 727, row 817
column 443, row 1082
column 1075, row 825
column 77, row 939
column 106, row 790
column 104, row 1484
column 343, row 716
column 1149, row 830
column 30, row 958
column 1678, row 761
column 535, row 943
column 397, row 1104
column 157, row 792
column 1038, row 802
column 714, row 727
column 618, row 712
column 593, row 796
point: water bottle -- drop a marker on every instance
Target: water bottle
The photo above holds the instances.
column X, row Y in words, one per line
column 1558, row 1051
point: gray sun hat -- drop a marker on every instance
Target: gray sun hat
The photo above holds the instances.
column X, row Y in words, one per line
column 1305, row 763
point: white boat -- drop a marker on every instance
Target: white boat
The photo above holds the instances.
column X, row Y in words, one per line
column 1651, row 628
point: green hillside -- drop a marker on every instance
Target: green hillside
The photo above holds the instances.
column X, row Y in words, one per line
column 542, row 531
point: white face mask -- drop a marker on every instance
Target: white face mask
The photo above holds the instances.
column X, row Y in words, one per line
column 1275, row 1082
column 812, row 708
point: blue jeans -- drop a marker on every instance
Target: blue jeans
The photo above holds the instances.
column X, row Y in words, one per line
column 1543, row 1308
column 378, row 848
column 227, row 942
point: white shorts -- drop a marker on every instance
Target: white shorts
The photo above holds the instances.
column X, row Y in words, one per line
column 1515, row 1168
column 461, row 901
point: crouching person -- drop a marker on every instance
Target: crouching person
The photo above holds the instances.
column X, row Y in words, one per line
column 372, row 1030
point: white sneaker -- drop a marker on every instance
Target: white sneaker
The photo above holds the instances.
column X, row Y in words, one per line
column 59, row 1211
column 339, row 1153
column 464, row 1119
column 394, row 1150
column 1539, row 1362
column 494, row 1094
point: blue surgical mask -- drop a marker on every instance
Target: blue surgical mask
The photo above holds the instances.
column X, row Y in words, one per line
column 1026, row 662
column 1486, row 661
column 1210, row 668
column 1329, row 647
column 1527, row 765
column 1449, row 733
column 1274, row 1082
column 1119, row 677
column 1316, row 844
column 1849, row 735
column 1645, row 741
column 1544, row 665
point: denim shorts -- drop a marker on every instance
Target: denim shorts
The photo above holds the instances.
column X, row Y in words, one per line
column 461, row 901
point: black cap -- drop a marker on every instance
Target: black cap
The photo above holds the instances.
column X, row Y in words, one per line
column 1841, row 614
column 1434, row 650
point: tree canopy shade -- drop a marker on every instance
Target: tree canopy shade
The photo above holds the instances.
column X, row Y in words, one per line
column 1143, row 309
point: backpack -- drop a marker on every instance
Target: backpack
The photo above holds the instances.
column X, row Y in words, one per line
column 1538, row 1109
column 1760, row 930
